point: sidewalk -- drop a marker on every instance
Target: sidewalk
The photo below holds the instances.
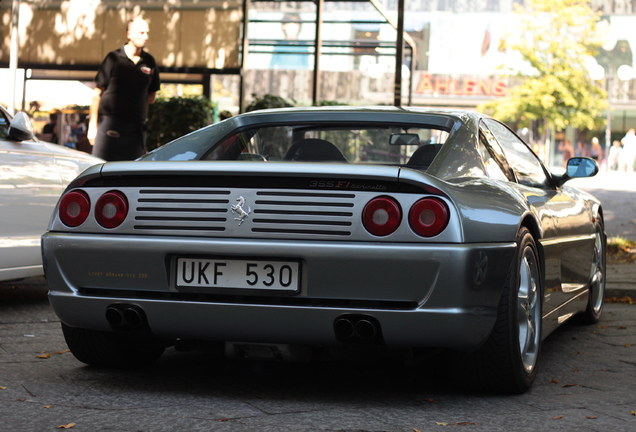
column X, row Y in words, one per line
column 621, row 280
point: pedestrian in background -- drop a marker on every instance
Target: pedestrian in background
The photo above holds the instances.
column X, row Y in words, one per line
column 581, row 149
column 596, row 152
column 126, row 83
column 50, row 129
column 629, row 151
column 567, row 150
column 614, row 157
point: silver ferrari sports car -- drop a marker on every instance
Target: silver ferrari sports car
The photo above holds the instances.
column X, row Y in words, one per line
column 277, row 233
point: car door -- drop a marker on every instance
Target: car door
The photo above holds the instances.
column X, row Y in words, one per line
column 30, row 186
column 565, row 221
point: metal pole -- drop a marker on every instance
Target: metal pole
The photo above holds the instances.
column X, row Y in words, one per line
column 399, row 56
column 317, row 49
column 244, row 46
column 13, row 53
column 608, row 125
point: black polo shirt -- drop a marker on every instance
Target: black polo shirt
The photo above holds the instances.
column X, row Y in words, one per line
column 126, row 85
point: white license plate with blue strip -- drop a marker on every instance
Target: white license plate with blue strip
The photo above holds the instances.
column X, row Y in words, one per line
column 242, row 274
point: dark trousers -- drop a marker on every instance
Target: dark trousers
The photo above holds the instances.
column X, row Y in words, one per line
column 118, row 140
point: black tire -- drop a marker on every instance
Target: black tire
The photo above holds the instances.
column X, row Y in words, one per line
column 507, row 362
column 594, row 310
column 108, row 349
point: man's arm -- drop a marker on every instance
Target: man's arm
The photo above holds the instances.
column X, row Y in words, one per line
column 92, row 123
column 152, row 97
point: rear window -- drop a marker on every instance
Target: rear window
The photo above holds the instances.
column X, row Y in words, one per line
column 414, row 146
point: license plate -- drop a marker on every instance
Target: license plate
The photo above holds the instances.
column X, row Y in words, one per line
column 243, row 274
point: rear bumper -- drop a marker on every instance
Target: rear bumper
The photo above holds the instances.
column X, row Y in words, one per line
column 422, row 295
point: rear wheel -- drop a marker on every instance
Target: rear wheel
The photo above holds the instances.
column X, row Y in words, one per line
column 108, row 349
column 507, row 362
column 594, row 308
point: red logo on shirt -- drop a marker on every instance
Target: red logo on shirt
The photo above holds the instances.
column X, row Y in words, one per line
column 146, row 70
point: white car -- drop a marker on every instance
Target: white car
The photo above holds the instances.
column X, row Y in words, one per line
column 33, row 175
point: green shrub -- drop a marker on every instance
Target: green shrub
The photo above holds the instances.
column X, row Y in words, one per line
column 268, row 101
column 172, row 118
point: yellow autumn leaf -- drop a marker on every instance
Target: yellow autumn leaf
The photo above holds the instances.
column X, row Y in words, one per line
column 68, row 426
column 627, row 345
column 44, row 356
column 634, row 413
column 557, row 417
column 2, row 388
column 441, row 424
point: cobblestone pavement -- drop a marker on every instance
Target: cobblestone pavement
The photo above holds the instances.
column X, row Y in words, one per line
column 586, row 382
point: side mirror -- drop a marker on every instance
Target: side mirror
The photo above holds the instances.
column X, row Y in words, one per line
column 21, row 128
column 578, row 167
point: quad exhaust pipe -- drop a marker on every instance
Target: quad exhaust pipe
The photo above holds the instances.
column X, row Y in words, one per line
column 126, row 317
column 357, row 329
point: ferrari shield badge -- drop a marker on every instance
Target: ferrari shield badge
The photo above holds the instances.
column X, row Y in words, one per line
column 239, row 210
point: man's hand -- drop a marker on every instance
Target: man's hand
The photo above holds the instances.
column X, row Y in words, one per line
column 91, row 133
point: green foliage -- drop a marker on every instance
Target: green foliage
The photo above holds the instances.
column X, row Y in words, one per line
column 174, row 117
column 330, row 103
column 556, row 39
column 268, row 101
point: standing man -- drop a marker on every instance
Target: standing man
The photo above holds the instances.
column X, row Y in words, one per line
column 126, row 82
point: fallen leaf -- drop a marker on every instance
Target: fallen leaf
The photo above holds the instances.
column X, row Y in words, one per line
column 554, row 381
column 44, row 356
column 224, row 419
column 416, row 430
column 634, row 413
column 575, row 370
column 68, row 426
column 47, row 406
column 429, row 400
column 557, row 417
column 590, row 418
column 441, row 424
column 464, row 424
column 622, row 327
column 569, row 385
column 627, row 345
column 602, row 327
column 2, row 388
column 626, row 299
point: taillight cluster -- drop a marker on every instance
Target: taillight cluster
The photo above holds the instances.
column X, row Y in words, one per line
column 427, row 217
column 111, row 209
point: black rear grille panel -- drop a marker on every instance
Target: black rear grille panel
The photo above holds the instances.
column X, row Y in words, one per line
column 209, row 211
column 250, row 300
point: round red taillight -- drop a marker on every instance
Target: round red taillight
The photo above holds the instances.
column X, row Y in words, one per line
column 382, row 216
column 111, row 209
column 74, row 208
column 428, row 217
